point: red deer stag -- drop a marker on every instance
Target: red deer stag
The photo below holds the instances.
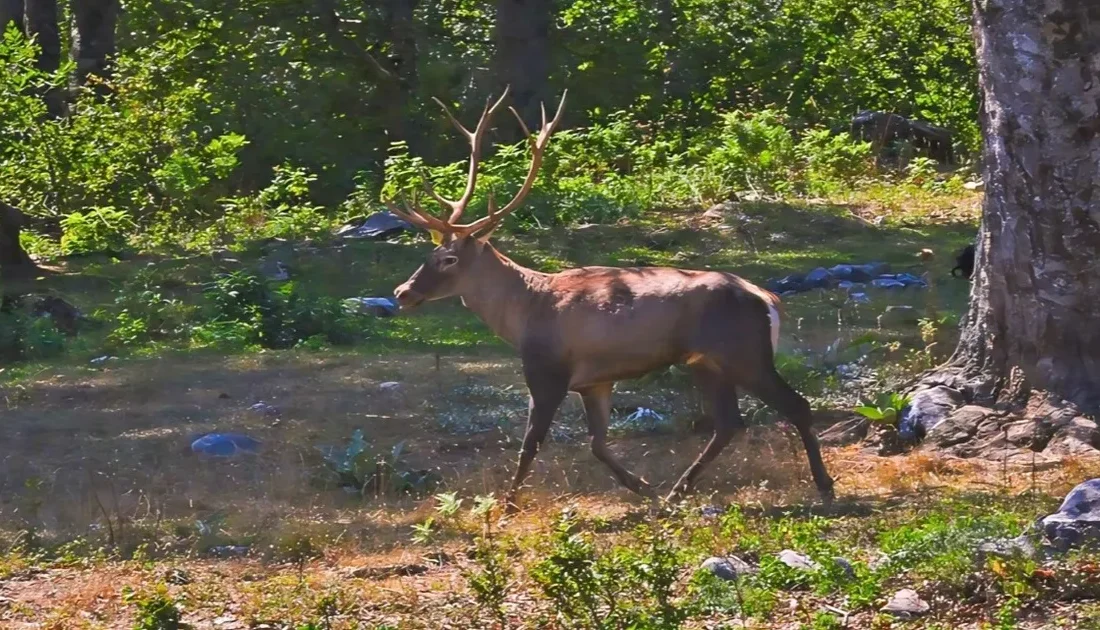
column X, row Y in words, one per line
column 584, row 329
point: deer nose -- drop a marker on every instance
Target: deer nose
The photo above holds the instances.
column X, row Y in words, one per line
column 406, row 297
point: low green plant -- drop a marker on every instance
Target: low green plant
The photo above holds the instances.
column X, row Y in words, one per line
column 885, row 409
column 156, row 609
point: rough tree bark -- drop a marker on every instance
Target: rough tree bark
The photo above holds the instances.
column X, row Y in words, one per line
column 14, row 261
column 1033, row 329
column 522, row 33
column 93, row 37
column 40, row 20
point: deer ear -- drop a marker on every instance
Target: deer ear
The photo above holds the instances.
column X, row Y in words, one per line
column 437, row 237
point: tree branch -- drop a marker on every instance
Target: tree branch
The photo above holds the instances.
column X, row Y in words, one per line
column 331, row 21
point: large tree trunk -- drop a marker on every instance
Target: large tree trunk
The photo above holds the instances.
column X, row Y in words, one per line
column 93, row 38
column 523, row 55
column 1035, row 306
column 14, row 261
column 1030, row 346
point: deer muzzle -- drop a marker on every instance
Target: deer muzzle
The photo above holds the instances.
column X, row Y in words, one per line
column 406, row 297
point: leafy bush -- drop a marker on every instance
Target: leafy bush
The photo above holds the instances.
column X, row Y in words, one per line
column 625, row 587
column 25, row 337
column 98, row 230
column 360, row 467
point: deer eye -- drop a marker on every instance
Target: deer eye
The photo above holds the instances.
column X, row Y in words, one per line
column 449, row 261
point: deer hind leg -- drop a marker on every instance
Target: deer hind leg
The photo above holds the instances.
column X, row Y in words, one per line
column 777, row 394
column 597, row 411
column 720, row 405
column 546, row 397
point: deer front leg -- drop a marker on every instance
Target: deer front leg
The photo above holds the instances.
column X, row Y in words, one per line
column 597, row 410
column 544, row 402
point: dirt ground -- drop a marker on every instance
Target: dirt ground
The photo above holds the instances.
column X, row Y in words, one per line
column 89, row 448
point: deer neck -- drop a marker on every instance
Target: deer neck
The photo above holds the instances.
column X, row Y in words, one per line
column 502, row 293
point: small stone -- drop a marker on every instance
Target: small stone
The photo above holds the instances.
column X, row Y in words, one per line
column 845, row 566
column 1007, row 548
column 899, row 314
column 264, row 408
column 229, row 551
column 974, row 185
column 101, row 360
column 729, row 568
column 710, row 511
column 390, row 387
column 177, row 576
column 795, row 560
column 906, row 603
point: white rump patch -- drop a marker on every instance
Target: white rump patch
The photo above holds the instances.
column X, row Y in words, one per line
column 773, row 315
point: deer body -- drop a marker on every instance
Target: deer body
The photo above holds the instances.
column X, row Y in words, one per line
column 584, row 329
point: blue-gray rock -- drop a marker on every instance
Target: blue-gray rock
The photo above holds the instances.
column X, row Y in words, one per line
column 796, row 560
column 379, row 225
column 377, row 306
column 729, row 568
column 224, row 444
column 819, row 278
column 1077, row 520
column 887, row 283
column 859, row 298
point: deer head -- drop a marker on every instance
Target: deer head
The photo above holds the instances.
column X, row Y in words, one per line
column 449, row 266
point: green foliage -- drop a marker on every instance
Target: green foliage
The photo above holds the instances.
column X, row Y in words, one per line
column 886, row 408
column 362, row 468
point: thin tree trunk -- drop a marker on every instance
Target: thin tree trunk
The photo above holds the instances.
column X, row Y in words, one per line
column 40, row 20
column 93, row 38
column 523, row 55
column 1034, row 319
column 394, row 99
column 11, row 11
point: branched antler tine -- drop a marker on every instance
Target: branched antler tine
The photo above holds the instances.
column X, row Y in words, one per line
column 454, row 121
column 519, row 119
column 427, row 183
column 458, row 207
column 542, row 109
column 561, row 108
column 538, row 147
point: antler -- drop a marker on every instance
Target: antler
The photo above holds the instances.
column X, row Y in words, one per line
column 417, row 216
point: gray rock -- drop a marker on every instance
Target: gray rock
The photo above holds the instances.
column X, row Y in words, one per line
column 380, row 225
column 391, row 387
column 1077, row 520
column 959, row 427
column 1079, row 436
column 729, row 568
column 927, row 409
column 796, row 560
column 906, row 603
